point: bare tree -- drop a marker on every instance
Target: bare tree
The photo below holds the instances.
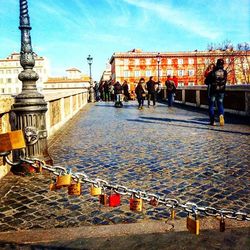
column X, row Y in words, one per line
column 237, row 61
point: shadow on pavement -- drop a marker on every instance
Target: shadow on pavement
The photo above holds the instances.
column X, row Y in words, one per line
column 174, row 122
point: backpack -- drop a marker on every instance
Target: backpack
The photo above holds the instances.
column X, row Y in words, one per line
column 219, row 77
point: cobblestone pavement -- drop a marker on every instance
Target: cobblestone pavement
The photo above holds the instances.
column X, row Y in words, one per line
column 167, row 151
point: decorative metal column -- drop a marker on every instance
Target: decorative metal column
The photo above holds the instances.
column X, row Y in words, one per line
column 30, row 106
column 158, row 66
column 91, row 89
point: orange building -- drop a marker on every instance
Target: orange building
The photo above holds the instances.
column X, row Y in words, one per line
column 188, row 67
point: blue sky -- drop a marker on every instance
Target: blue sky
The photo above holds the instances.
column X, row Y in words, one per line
column 66, row 31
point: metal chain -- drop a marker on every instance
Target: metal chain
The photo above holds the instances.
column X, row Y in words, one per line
column 189, row 207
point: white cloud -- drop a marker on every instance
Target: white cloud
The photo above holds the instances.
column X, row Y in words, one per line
column 181, row 18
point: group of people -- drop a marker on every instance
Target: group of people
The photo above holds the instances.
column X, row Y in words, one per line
column 215, row 79
column 151, row 88
column 108, row 91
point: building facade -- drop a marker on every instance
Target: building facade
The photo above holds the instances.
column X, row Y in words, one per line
column 74, row 80
column 10, row 68
column 188, row 67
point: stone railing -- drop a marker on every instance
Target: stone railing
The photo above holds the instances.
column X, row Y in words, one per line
column 236, row 101
column 62, row 106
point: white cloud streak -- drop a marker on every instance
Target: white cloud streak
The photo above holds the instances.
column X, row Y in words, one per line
column 180, row 18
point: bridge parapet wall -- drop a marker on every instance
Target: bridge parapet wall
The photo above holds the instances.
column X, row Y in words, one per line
column 237, row 98
column 62, row 106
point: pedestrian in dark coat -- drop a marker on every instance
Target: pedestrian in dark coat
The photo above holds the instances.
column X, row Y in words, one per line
column 151, row 88
column 140, row 93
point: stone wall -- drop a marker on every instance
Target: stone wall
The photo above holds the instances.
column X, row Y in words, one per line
column 236, row 101
column 61, row 107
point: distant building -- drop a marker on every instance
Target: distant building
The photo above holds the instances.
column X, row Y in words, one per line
column 74, row 80
column 188, row 67
column 10, row 68
column 106, row 76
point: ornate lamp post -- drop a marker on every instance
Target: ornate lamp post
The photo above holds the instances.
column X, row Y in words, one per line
column 158, row 66
column 30, row 107
column 91, row 89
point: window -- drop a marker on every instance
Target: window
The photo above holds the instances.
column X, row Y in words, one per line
column 126, row 61
column 180, row 72
column 190, row 61
column 227, row 60
column 148, row 61
column 126, row 73
column 169, row 72
column 191, row 72
column 169, row 61
column 181, row 84
column 160, row 73
column 137, row 73
column 190, row 83
column 207, row 60
column 148, row 73
column 180, row 61
column 137, row 61
column 8, row 80
column 1, row 80
column 1, row 71
column 8, row 71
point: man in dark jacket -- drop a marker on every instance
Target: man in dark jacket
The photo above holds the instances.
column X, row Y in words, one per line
column 151, row 88
column 170, row 86
column 217, row 79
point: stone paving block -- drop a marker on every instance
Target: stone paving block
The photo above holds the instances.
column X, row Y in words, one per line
column 170, row 152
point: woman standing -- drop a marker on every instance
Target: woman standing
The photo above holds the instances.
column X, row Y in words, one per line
column 140, row 93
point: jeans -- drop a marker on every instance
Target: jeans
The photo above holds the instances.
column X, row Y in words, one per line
column 153, row 97
column 140, row 101
column 218, row 98
column 170, row 99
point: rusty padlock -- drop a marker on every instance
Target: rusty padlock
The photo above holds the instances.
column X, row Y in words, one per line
column 135, row 204
column 75, row 188
column 63, row 180
column 154, row 202
column 104, row 199
column 12, row 140
column 95, row 190
column 222, row 224
column 193, row 224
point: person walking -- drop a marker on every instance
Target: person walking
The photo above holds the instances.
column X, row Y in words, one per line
column 170, row 86
column 118, row 94
column 140, row 93
column 151, row 88
column 125, row 91
column 216, row 81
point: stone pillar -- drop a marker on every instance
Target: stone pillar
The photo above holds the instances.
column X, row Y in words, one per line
column 198, row 99
column 183, row 96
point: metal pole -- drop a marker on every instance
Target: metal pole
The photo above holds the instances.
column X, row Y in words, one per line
column 158, row 62
column 91, row 89
column 30, row 107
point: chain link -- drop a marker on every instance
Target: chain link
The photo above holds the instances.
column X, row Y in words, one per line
column 189, row 207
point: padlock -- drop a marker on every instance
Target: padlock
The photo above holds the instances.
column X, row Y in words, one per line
column 75, row 189
column 172, row 213
column 52, row 186
column 63, row 180
column 222, row 224
column 154, row 202
column 193, row 224
column 135, row 204
column 95, row 190
column 104, row 199
column 114, row 200
column 12, row 140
